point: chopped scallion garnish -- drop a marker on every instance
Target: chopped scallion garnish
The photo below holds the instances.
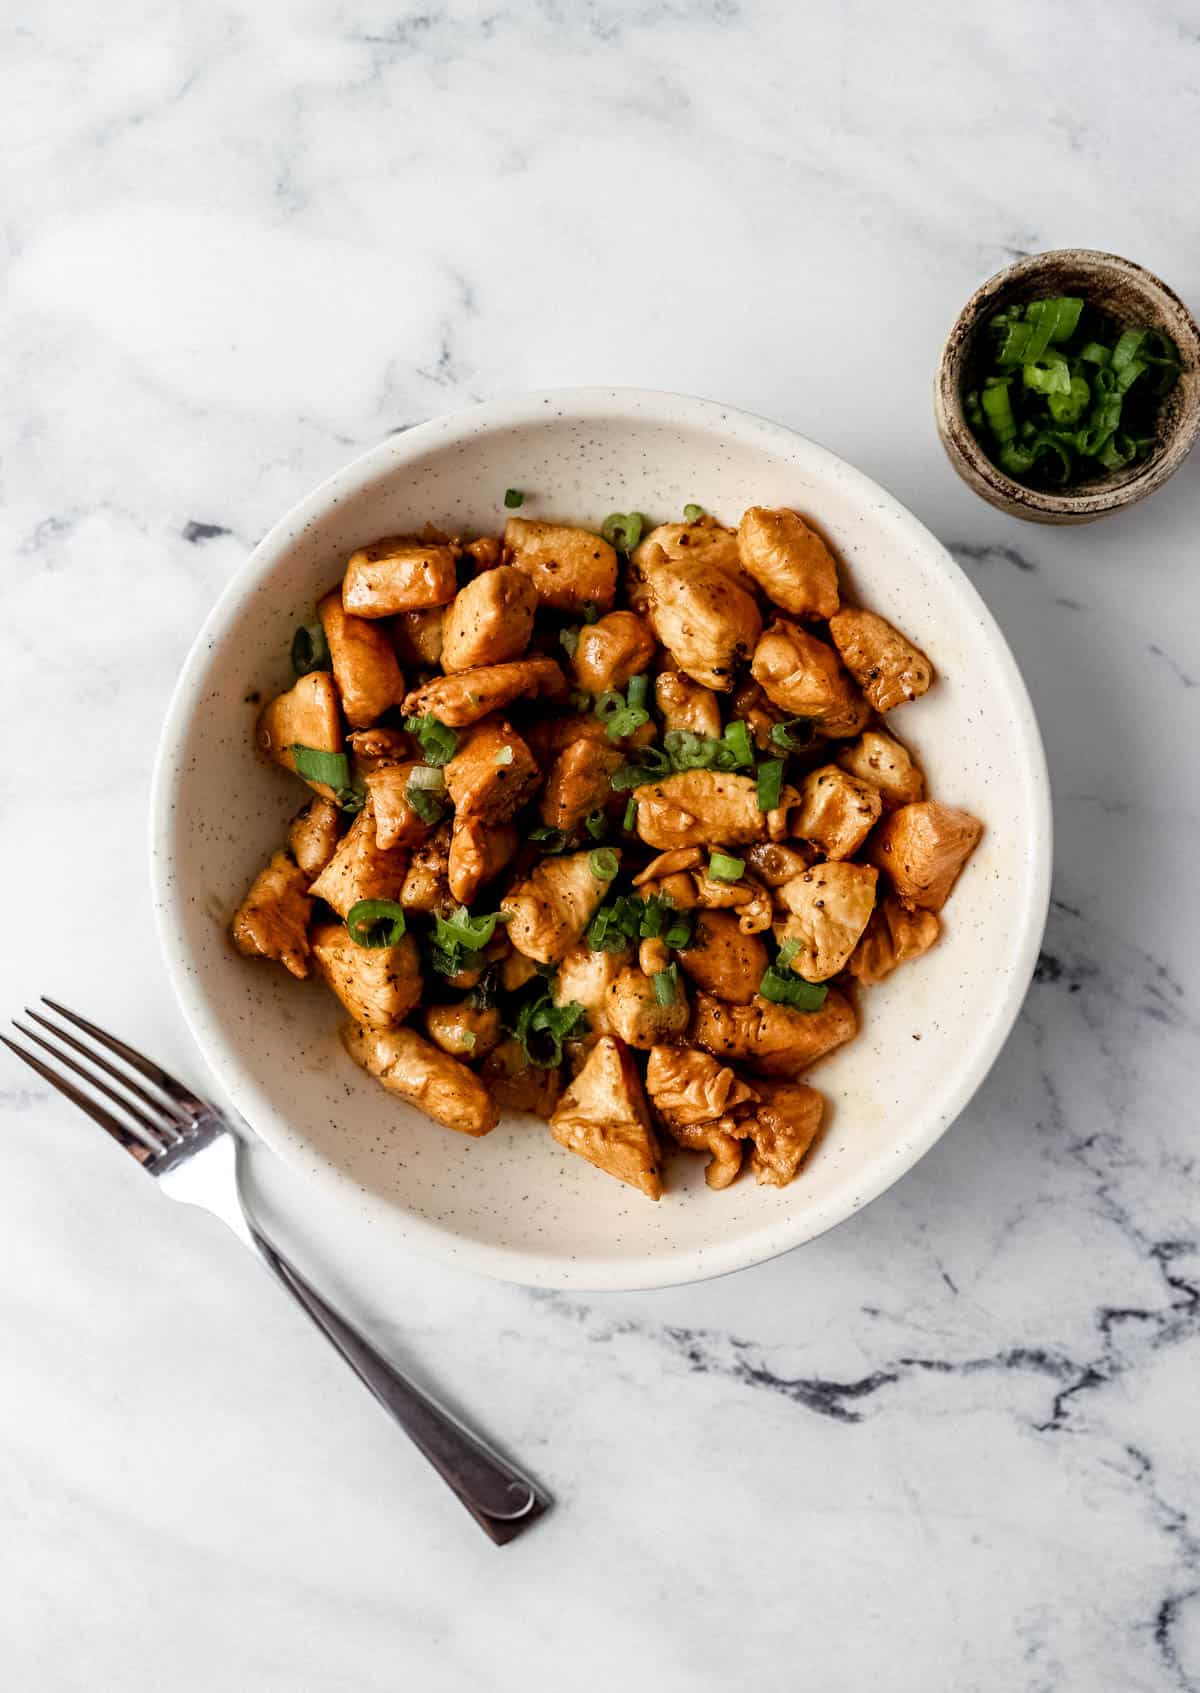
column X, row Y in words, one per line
column 603, row 863
column 770, row 783
column 310, row 649
column 513, row 498
column 723, row 868
column 438, row 742
column 623, row 530
column 375, row 923
column 783, row 987
column 665, row 984
column 316, row 765
column 692, row 513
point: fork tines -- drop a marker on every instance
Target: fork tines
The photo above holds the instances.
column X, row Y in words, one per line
column 145, row 1133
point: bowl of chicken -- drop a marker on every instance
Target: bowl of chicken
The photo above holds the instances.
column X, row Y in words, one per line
column 605, row 835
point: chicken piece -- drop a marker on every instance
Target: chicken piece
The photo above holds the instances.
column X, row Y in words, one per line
column 699, row 808
column 804, row 677
column 685, row 704
column 396, row 822
column 462, row 1030
column 569, row 568
column 579, row 783
column 361, row 868
column 612, row 650
column 585, row 978
column 722, row 960
column 653, row 956
column 417, row 636
column 313, row 836
column 470, row 976
column 307, row 716
column 705, row 542
column 881, row 760
column 398, row 574
column 892, row 937
column 830, row 906
column 490, row 620
column 603, row 1116
column 516, row 970
column 492, row 774
column 469, row 695
column 669, row 864
column 272, row 920
column 886, row 666
column 549, row 912
column 479, row 850
column 922, row 848
column 517, row 1085
column 379, row 985
column 789, row 561
column 552, row 733
column 413, row 1068
column 679, row 889
column 381, row 745
column 782, row 1128
column 486, row 551
column 837, row 812
column 773, row 1040
column 426, row 885
column 706, row 622
column 751, row 704
column 695, row 1098
column 776, row 862
column 633, row 1011
column 746, row 898
column 365, row 670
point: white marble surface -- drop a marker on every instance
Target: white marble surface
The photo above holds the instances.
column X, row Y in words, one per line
column 951, row 1445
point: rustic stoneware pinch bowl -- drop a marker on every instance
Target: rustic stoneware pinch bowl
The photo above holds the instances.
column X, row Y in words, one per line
column 515, row 1204
column 1130, row 295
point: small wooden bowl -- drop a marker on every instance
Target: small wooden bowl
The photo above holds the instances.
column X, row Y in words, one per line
column 1131, row 296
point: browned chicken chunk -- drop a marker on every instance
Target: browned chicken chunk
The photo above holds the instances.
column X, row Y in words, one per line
column 611, row 651
column 722, row 960
column 837, row 812
column 307, row 715
column 881, row 760
column 789, row 561
column 379, row 986
column 365, row 670
column 479, row 850
column 517, row 1085
column 633, row 1010
column 922, row 848
column 579, row 783
column 492, row 774
column 313, row 836
column 706, row 622
column 397, row 823
column 603, row 1116
column 782, row 1127
column 704, row 543
column 490, row 620
column 272, row 920
column 417, row 636
column 473, row 694
column 886, row 666
column 417, row 1071
column 397, row 575
column 776, row 862
column 699, row 808
column 549, row 912
column 569, row 568
column 805, row 678
column 586, row 978
column 462, row 1030
column 426, row 884
column 696, row 1099
column 772, row 1040
column 361, row 868
column 684, row 704
column 380, row 745
column 830, row 906
column 892, row 937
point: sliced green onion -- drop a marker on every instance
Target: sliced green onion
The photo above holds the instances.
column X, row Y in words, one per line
column 636, row 692
column 603, row 863
column 1127, row 348
column 737, row 738
column 664, row 984
column 629, row 822
column 1094, row 353
column 608, row 705
column 783, row 987
column 467, row 1036
column 541, row 1026
column 581, row 701
column 552, row 840
column 1049, row 375
column 723, row 868
column 513, row 498
column 504, row 756
column 460, row 932
column 793, row 734
column 1070, row 407
column 375, row 923
column 623, row 530
column 1015, row 343
column 770, row 783
column 591, row 612
column 310, row 649
column 427, row 805
column 438, row 742
column 788, row 951
column 679, row 935
column 997, row 408
column 569, row 640
column 692, row 513
column 596, row 824
column 316, row 765
column 429, row 777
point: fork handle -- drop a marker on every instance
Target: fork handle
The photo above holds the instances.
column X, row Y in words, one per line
column 502, row 1500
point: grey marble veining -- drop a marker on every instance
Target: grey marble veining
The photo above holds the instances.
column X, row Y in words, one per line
column 950, row 1445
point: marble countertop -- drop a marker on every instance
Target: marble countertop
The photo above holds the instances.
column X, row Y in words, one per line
column 950, row 1445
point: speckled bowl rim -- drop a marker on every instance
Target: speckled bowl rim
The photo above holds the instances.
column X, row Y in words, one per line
column 504, row 1263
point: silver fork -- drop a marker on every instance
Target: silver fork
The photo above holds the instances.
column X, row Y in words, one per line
column 195, row 1152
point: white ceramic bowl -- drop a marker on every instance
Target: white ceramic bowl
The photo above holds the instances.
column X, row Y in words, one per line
column 515, row 1204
